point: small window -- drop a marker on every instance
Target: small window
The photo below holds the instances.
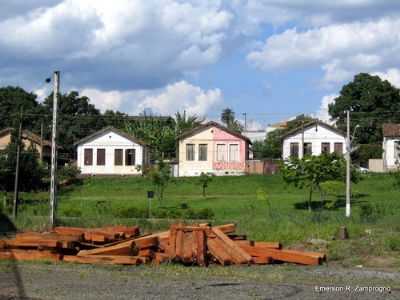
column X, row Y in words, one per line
column 307, row 149
column 294, row 150
column 221, row 152
column 234, row 152
column 325, row 148
column 88, row 157
column 338, row 148
column 189, row 152
column 118, row 159
column 101, row 157
column 203, row 152
column 130, row 157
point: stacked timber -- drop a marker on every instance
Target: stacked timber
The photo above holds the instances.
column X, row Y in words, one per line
column 186, row 244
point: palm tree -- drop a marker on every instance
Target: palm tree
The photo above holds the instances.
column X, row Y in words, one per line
column 184, row 122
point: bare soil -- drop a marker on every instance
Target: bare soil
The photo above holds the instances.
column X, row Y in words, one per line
column 72, row 281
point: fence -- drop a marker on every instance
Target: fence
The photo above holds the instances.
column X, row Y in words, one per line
column 262, row 167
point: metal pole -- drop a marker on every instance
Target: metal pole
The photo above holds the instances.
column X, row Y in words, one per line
column 16, row 181
column 245, row 121
column 56, row 82
column 41, row 141
column 302, row 139
column 348, row 164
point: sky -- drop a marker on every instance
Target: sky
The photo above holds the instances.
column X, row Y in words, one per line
column 270, row 59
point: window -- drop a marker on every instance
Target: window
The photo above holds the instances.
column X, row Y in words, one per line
column 101, row 157
column 294, row 149
column 396, row 150
column 221, row 152
column 118, row 159
column 130, row 157
column 325, row 148
column 189, row 152
column 307, row 149
column 88, row 157
column 234, row 152
column 203, row 152
column 338, row 148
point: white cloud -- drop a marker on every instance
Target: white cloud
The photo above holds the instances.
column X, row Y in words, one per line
column 124, row 43
column 323, row 112
column 392, row 75
column 165, row 101
column 181, row 96
column 340, row 50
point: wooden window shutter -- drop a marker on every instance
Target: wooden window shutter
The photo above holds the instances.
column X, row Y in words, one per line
column 88, row 157
column 118, row 160
column 101, row 157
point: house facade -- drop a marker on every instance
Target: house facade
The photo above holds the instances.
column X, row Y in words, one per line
column 29, row 140
column 391, row 146
column 111, row 152
column 213, row 149
column 316, row 137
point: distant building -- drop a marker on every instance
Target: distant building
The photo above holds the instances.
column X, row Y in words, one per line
column 111, row 152
column 318, row 138
column 391, row 146
column 214, row 149
column 29, row 140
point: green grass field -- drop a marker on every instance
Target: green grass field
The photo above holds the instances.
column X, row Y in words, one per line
column 374, row 226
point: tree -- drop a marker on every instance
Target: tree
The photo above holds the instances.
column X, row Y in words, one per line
column 31, row 171
column 228, row 118
column 160, row 175
column 271, row 147
column 204, row 180
column 12, row 100
column 158, row 132
column 184, row 122
column 372, row 102
column 77, row 118
column 309, row 172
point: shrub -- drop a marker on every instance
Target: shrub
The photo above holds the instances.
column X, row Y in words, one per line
column 129, row 212
column 392, row 243
column 72, row 212
column 68, row 174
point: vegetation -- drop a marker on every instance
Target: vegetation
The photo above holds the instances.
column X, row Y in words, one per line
column 229, row 120
column 160, row 175
column 204, row 180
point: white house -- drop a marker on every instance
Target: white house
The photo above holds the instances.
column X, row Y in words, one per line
column 318, row 137
column 391, row 146
column 111, row 152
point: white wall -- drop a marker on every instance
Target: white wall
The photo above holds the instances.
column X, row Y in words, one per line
column 110, row 141
column 389, row 158
column 316, row 137
column 196, row 167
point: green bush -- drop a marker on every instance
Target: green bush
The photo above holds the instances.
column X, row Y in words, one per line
column 392, row 243
column 72, row 212
column 129, row 212
column 68, row 174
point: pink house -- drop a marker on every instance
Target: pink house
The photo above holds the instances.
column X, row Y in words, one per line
column 213, row 149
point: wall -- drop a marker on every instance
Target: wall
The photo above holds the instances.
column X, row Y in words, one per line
column 211, row 136
column 110, row 141
column 375, row 165
column 4, row 141
column 196, row 167
column 389, row 153
column 322, row 135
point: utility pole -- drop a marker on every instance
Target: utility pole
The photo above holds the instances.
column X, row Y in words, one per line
column 53, row 184
column 245, row 121
column 41, row 141
column 16, row 181
column 302, row 139
column 348, row 164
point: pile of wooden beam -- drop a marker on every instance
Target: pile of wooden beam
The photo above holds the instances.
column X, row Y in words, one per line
column 187, row 244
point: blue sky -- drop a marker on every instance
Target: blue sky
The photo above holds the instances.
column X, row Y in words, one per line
column 271, row 59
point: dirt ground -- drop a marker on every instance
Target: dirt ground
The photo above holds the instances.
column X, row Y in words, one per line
column 72, row 281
